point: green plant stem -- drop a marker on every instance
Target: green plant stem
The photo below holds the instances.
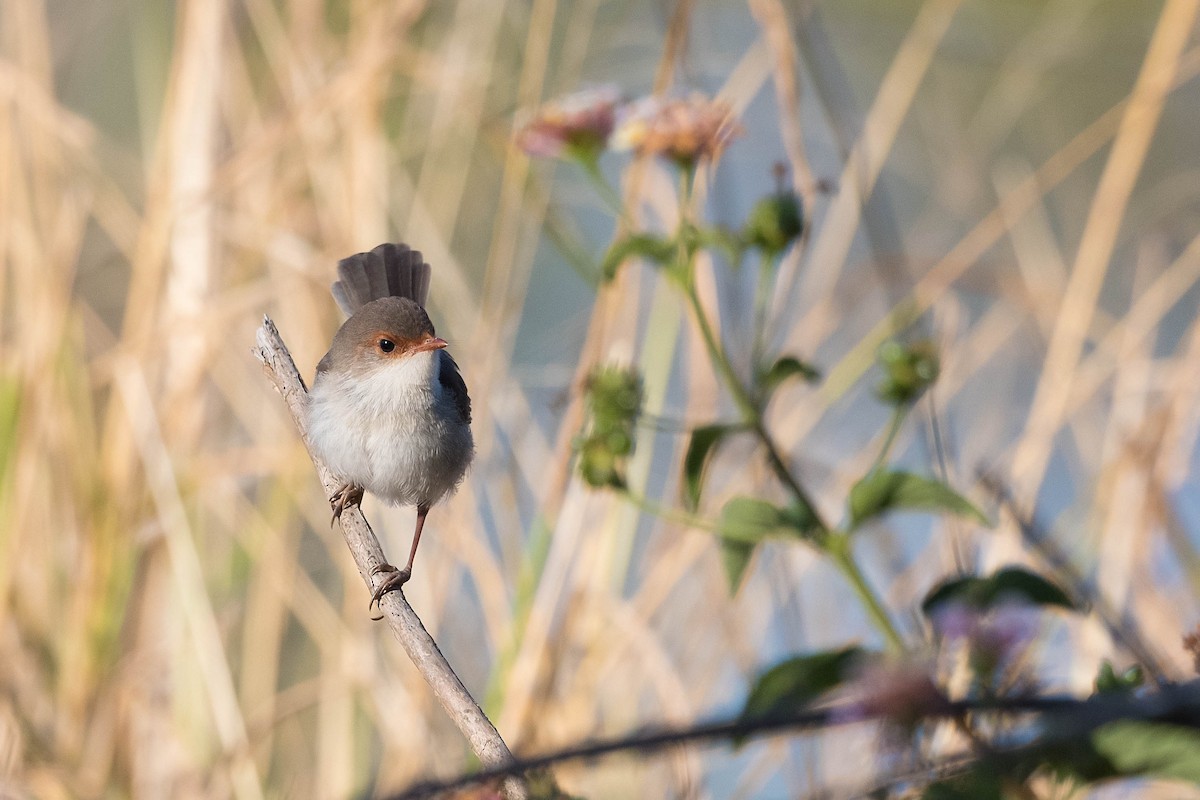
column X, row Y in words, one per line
column 741, row 397
column 899, row 413
column 749, row 410
column 667, row 513
column 837, row 545
column 762, row 296
column 834, row 543
column 687, row 186
column 610, row 196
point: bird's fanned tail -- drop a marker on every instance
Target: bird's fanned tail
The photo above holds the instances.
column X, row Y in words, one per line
column 390, row 270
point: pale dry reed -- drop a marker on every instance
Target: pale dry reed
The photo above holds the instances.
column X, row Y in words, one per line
column 178, row 619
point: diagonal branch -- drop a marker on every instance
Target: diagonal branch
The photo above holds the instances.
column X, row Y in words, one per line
column 365, row 549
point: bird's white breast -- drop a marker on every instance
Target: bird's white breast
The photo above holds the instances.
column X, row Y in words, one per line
column 393, row 430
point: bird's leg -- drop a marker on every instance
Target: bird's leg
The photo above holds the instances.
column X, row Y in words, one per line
column 399, row 577
column 343, row 498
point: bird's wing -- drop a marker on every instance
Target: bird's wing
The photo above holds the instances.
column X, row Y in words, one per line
column 452, row 381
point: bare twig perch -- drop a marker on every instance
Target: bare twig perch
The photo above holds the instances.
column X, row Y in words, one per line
column 364, row 547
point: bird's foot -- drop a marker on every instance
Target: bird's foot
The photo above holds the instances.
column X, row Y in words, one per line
column 395, row 579
column 348, row 495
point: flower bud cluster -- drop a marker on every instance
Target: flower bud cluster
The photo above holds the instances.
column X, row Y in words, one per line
column 614, row 399
column 908, row 371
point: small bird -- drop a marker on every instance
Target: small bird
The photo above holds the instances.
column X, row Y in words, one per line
column 389, row 412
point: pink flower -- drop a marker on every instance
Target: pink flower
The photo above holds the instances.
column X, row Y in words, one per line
column 580, row 123
column 1009, row 629
column 955, row 620
column 901, row 692
column 994, row 638
column 683, row 130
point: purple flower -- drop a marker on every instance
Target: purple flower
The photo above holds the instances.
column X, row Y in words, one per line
column 578, row 124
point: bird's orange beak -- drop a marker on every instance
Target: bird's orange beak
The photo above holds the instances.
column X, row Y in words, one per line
column 434, row 343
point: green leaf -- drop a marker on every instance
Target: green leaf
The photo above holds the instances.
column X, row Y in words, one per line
column 792, row 684
column 983, row 593
column 979, row 783
column 787, row 367
column 1073, row 760
column 1029, row 586
column 745, row 519
column 701, row 448
column 1148, row 748
column 1109, row 682
column 735, row 557
column 652, row 248
column 884, row 491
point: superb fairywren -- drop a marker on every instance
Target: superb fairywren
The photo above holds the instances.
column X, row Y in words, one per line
column 389, row 411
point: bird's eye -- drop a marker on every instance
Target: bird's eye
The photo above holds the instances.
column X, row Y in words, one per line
column 387, row 345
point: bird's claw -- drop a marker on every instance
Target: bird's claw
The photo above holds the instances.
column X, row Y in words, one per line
column 348, row 495
column 395, row 579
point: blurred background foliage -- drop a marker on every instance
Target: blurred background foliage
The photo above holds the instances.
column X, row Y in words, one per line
column 178, row 619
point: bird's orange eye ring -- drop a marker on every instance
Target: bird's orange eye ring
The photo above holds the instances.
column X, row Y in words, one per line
column 387, row 345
